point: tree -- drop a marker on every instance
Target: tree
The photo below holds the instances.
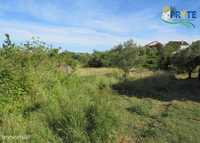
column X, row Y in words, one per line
column 95, row 60
column 151, row 57
column 7, row 42
column 195, row 48
column 127, row 57
column 8, row 49
column 166, row 54
column 188, row 59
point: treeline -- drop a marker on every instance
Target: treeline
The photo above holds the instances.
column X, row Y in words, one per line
column 127, row 56
column 171, row 56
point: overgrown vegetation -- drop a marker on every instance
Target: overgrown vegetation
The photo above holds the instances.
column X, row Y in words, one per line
column 49, row 96
column 128, row 56
column 41, row 97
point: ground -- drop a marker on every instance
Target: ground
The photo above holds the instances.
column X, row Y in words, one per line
column 154, row 106
column 95, row 105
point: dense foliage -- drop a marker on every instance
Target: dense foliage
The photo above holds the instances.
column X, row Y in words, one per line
column 129, row 56
column 41, row 98
column 187, row 60
column 126, row 56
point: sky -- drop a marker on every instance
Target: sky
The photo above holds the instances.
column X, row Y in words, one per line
column 87, row 25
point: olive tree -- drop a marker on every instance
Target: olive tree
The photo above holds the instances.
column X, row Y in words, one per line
column 188, row 59
column 127, row 58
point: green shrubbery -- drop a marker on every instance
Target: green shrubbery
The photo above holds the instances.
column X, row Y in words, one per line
column 128, row 56
column 42, row 100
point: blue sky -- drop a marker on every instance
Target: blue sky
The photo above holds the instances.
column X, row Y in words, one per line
column 84, row 25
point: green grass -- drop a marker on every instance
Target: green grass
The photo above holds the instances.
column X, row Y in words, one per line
column 94, row 106
column 60, row 108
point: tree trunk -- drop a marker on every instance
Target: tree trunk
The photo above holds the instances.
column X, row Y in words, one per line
column 125, row 75
column 189, row 75
column 199, row 74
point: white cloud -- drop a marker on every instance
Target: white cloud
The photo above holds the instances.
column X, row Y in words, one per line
column 89, row 29
column 85, row 37
column 59, row 35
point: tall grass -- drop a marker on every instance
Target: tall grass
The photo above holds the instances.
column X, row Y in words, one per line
column 40, row 102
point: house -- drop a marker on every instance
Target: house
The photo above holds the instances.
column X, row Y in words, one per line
column 182, row 44
column 154, row 44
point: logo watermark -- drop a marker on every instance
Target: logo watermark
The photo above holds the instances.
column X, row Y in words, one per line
column 184, row 17
column 17, row 137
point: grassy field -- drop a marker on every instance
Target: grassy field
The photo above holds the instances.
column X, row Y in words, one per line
column 95, row 106
column 153, row 106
